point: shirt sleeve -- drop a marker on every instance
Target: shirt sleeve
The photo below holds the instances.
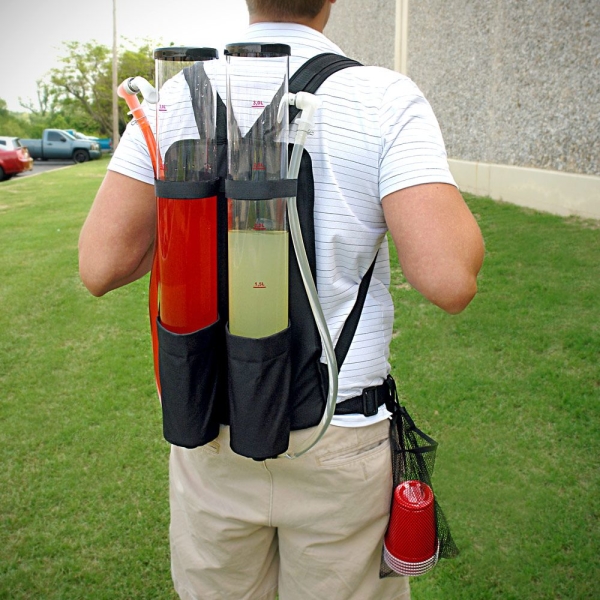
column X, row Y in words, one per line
column 132, row 157
column 413, row 151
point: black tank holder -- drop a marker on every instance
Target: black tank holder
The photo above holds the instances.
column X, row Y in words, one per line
column 268, row 387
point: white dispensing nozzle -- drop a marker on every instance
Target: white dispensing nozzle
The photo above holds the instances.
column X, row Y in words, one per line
column 308, row 104
column 135, row 85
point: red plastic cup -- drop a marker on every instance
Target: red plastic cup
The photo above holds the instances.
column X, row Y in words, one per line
column 411, row 543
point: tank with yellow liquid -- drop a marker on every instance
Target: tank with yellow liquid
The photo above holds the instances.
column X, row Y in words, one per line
column 258, row 282
column 258, row 238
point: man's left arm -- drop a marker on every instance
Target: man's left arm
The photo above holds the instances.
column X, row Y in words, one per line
column 440, row 247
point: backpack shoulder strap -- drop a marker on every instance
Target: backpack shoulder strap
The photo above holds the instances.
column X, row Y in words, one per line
column 311, row 75
column 196, row 78
column 349, row 329
column 309, row 78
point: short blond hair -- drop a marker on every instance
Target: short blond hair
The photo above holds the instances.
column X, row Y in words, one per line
column 286, row 8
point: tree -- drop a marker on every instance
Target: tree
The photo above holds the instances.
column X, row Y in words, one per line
column 45, row 100
column 82, row 87
column 131, row 63
column 10, row 124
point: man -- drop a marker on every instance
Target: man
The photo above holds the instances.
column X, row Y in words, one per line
column 311, row 527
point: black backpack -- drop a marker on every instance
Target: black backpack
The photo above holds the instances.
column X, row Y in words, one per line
column 263, row 388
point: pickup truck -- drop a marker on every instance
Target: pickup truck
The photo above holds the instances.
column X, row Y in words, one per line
column 104, row 143
column 57, row 143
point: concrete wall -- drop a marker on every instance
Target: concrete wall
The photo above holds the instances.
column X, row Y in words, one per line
column 365, row 30
column 513, row 83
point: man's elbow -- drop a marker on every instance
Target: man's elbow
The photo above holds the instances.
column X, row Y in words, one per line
column 451, row 289
column 457, row 285
column 102, row 272
column 95, row 289
column 456, row 299
column 93, row 272
column 93, row 281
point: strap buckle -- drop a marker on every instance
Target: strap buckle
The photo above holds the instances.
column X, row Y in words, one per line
column 370, row 401
column 391, row 401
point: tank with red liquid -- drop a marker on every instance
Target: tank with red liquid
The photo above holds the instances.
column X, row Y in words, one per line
column 186, row 241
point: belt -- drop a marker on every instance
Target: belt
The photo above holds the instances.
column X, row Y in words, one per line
column 368, row 402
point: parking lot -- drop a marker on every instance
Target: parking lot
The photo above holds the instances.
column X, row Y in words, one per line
column 39, row 166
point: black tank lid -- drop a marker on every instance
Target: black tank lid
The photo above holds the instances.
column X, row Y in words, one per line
column 185, row 53
column 257, row 49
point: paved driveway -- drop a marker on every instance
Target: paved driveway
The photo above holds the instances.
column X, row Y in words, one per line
column 39, row 166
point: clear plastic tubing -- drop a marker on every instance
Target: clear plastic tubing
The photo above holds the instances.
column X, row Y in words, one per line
column 308, row 104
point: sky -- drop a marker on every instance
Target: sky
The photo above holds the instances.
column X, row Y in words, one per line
column 31, row 32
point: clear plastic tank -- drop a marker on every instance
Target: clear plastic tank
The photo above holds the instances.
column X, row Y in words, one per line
column 187, row 214
column 257, row 130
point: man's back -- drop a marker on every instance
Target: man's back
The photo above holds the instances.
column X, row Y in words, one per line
column 373, row 134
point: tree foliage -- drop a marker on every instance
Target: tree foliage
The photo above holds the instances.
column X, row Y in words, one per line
column 10, row 124
column 50, row 112
column 75, row 86
column 79, row 91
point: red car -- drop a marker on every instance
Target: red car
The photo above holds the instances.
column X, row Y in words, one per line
column 14, row 158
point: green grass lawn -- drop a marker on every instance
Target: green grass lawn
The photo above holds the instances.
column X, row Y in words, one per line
column 510, row 389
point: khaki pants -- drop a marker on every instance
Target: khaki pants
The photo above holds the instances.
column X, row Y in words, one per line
column 309, row 528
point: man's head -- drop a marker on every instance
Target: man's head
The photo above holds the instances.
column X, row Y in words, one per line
column 313, row 13
column 286, row 9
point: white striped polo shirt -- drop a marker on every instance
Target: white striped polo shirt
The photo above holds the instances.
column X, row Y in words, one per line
column 374, row 134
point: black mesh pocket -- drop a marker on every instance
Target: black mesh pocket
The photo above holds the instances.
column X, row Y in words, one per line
column 259, row 384
column 413, row 460
column 188, row 370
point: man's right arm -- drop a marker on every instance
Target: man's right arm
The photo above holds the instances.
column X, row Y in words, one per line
column 116, row 243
